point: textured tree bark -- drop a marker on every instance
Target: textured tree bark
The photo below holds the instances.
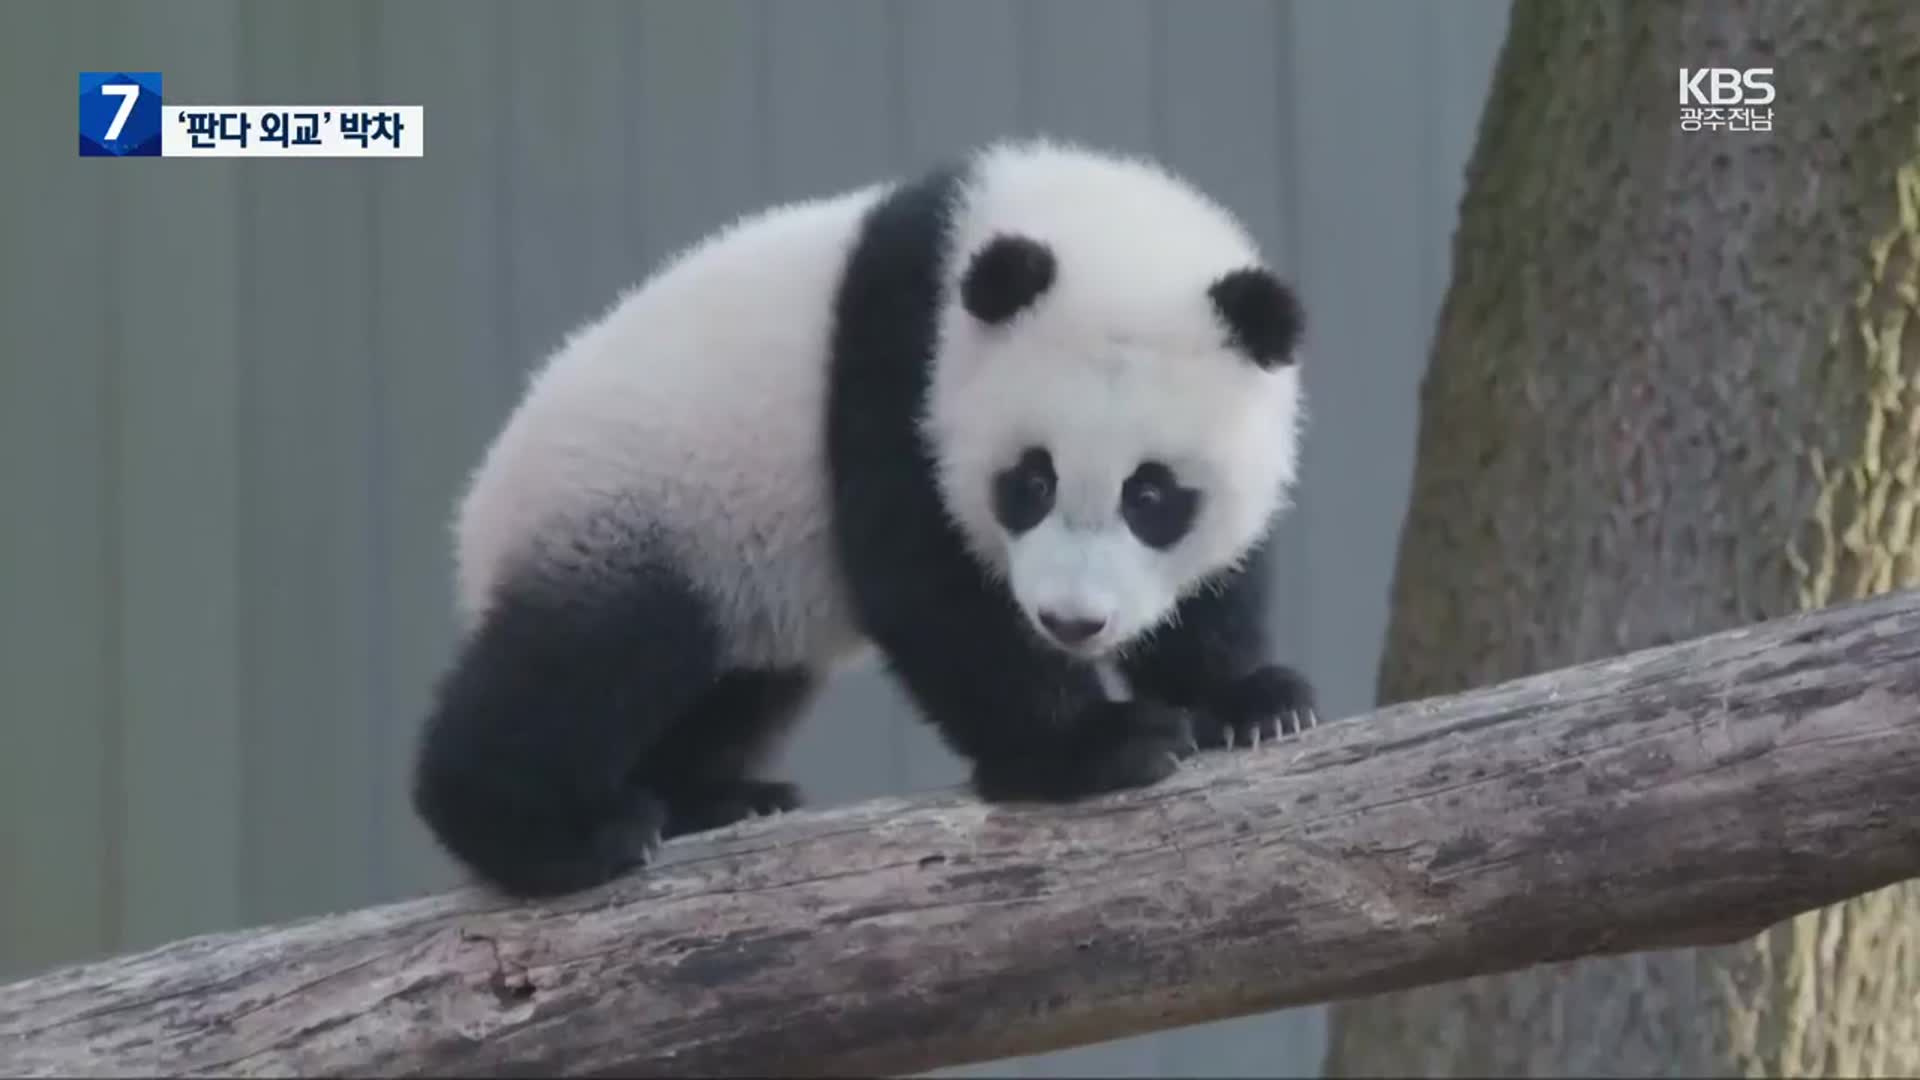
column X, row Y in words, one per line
column 1673, row 390
column 1691, row 793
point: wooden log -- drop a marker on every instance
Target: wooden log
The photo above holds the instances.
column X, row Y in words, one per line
column 1687, row 794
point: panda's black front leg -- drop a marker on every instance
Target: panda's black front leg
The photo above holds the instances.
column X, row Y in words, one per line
column 1035, row 724
column 1213, row 659
column 1039, row 727
column 1104, row 746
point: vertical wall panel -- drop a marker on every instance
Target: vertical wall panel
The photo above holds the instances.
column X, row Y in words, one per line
column 1226, row 108
column 1093, row 70
column 437, row 285
column 311, row 486
column 179, row 454
column 700, row 158
column 960, row 69
column 567, row 117
column 832, row 116
column 59, row 640
column 833, row 121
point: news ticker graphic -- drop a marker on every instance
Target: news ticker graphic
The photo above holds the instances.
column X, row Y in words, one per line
column 125, row 114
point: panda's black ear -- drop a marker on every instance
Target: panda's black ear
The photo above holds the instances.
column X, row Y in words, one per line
column 1005, row 276
column 1262, row 314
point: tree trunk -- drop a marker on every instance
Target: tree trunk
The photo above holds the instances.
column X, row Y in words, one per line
column 1675, row 388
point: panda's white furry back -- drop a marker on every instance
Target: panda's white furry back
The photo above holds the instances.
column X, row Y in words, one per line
column 687, row 416
column 1016, row 422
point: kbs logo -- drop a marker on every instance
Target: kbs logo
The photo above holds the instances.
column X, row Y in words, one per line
column 1725, row 99
column 1726, row 86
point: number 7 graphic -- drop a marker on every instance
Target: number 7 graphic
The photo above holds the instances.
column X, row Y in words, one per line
column 128, row 93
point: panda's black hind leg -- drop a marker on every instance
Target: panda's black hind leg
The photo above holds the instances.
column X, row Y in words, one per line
column 525, row 771
column 704, row 766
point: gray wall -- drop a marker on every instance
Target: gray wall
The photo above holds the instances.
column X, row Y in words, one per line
column 237, row 397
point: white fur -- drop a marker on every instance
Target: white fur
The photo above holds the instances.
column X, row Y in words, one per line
column 1122, row 360
column 690, row 412
column 695, row 402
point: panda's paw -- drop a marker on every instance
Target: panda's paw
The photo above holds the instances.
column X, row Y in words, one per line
column 1261, row 706
column 719, row 804
column 1114, row 746
column 1129, row 744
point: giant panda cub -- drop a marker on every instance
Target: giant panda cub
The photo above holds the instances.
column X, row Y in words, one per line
column 1021, row 425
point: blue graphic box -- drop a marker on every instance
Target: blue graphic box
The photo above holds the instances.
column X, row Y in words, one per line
column 120, row 114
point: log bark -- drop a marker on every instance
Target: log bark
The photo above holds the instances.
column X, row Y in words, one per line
column 1693, row 793
column 1675, row 388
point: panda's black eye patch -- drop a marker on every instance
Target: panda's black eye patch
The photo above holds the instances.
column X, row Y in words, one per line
column 1156, row 506
column 1023, row 492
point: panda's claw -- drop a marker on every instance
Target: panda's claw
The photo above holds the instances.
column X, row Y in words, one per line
column 1281, row 696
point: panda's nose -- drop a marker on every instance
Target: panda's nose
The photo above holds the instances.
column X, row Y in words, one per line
column 1071, row 629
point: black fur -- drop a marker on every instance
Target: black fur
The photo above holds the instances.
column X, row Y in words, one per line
column 1005, row 277
column 585, row 720
column 703, row 765
column 1213, row 661
column 1262, row 314
column 1034, row 722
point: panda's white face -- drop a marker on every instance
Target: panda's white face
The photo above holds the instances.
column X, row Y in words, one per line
column 1104, row 480
column 1115, row 404
column 1104, row 483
